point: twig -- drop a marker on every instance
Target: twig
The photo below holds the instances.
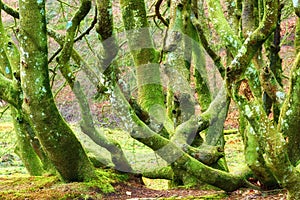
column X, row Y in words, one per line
column 54, row 55
column 59, row 89
column 87, row 31
column 2, row 113
column 67, row 4
column 9, row 10
column 159, row 16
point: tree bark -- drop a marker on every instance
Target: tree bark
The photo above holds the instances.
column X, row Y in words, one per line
column 56, row 137
column 9, row 62
column 150, row 90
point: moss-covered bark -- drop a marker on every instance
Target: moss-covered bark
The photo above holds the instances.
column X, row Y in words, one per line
column 289, row 116
column 24, row 148
column 264, row 129
column 171, row 152
column 9, row 91
column 67, row 50
column 250, row 18
column 56, row 137
column 273, row 145
column 289, row 119
column 179, row 48
column 275, row 66
column 9, row 67
column 256, row 162
column 88, row 127
column 200, row 73
column 143, row 52
column 9, row 62
column 105, row 30
column 150, row 90
column 253, row 151
column 235, row 45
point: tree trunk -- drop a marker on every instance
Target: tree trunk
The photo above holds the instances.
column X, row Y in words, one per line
column 56, row 137
column 150, row 90
column 9, row 62
column 24, row 148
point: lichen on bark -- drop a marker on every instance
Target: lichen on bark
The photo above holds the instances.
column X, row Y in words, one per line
column 56, row 137
column 150, row 90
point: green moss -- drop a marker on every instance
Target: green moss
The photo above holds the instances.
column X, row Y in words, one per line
column 104, row 180
column 46, row 187
column 142, row 49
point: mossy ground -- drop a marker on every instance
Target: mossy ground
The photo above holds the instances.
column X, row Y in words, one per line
column 50, row 187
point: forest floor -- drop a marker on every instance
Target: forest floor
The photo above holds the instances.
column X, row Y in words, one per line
column 23, row 187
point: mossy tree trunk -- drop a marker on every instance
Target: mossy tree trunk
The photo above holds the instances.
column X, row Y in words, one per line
column 150, row 90
column 289, row 119
column 178, row 49
column 56, row 137
column 9, row 62
column 253, row 151
column 262, row 127
column 250, row 89
column 87, row 123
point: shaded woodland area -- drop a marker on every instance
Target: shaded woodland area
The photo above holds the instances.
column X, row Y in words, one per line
column 82, row 78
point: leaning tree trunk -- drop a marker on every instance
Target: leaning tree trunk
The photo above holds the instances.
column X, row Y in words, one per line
column 9, row 67
column 56, row 137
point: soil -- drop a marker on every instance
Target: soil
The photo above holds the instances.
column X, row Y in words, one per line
column 49, row 188
column 133, row 190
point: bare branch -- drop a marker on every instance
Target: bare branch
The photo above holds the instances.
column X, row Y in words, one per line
column 157, row 12
column 9, row 10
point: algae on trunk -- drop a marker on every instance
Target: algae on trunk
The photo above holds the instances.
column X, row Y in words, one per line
column 54, row 134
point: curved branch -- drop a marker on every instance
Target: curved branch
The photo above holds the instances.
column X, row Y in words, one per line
column 216, row 58
column 9, row 10
column 72, row 26
column 87, row 31
column 159, row 16
column 170, row 152
column 57, row 36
